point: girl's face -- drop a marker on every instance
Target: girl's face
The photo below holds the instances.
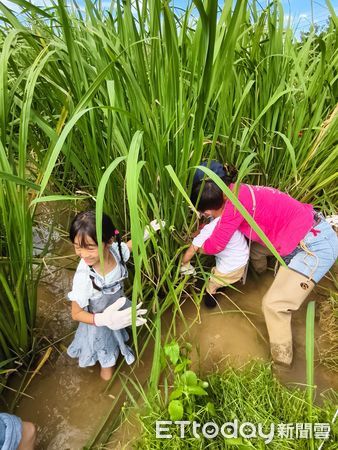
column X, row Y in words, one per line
column 89, row 253
column 212, row 213
column 208, row 213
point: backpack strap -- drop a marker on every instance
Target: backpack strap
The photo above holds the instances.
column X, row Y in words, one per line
column 253, row 198
column 92, row 278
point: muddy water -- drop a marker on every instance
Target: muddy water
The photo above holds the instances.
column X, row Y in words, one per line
column 235, row 332
column 69, row 404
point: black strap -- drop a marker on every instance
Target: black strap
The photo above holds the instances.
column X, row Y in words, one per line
column 92, row 277
column 92, row 274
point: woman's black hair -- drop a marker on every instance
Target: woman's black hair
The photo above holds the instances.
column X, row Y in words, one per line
column 212, row 196
column 230, row 174
column 84, row 224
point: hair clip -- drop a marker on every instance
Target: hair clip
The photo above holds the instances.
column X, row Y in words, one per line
column 116, row 232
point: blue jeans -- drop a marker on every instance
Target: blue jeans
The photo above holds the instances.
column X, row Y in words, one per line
column 324, row 246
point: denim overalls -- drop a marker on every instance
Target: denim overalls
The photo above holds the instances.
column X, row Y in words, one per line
column 93, row 344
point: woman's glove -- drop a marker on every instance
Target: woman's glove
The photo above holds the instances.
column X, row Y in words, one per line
column 153, row 226
column 187, row 269
column 115, row 319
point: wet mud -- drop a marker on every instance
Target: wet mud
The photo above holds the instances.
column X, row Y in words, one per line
column 69, row 404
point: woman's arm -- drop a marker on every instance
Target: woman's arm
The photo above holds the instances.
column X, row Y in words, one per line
column 229, row 222
column 80, row 315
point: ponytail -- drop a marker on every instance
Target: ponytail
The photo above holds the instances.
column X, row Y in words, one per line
column 230, row 174
column 118, row 240
column 227, row 173
column 212, row 196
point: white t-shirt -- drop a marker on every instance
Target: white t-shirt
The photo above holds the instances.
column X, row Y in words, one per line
column 235, row 254
column 83, row 290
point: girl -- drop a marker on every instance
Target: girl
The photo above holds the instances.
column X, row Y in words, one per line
column 97, row 296
column 302, row 236
column 15, row 434
column 231, row 262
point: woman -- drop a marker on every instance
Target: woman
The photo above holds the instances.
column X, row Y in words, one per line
column 302, row 237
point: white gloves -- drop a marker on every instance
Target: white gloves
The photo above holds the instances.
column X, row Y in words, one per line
column 115, row 319
column 187, row 269
column 153, row 226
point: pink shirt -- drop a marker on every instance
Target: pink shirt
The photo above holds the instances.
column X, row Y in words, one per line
column 283, row 219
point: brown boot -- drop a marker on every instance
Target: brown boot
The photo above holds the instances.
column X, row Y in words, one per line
column 282, row 354
column 258, row 257
column 286, row 294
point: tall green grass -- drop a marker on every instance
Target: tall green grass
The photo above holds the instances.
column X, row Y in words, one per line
column 17, row 287
column 310, row 344
column 247, row 395
column 120, row 104
column 229, row 85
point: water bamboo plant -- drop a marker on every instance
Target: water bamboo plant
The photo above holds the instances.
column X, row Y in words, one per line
column 121, row 103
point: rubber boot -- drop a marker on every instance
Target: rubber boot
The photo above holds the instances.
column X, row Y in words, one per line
column 286, row 294
column 209, row 300
column 258, row 257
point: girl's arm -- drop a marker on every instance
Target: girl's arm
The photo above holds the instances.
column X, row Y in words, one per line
column 154, row 226
column 80, row 315
column 189, row 254
column 129, row 245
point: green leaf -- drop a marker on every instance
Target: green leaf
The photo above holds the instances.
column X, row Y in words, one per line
column 176, row 410
column 18, row 180
column 57, row 198
column 180, row 187
column 179, row 367
column 310, row 339
column 195, row 390
column 210, row 407
column 177, row 393
column 172, row 351
column 189, row 378
column 100, row 202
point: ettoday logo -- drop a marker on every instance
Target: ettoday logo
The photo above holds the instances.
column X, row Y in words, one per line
column 245, row 430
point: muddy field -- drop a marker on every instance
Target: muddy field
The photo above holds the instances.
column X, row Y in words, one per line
column 70, row 404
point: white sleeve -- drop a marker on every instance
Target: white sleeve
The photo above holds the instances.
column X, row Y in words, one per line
column 204, row 234
column 124, row 249
column 82, row 286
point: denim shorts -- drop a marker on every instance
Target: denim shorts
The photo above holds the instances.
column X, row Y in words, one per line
column 323, row 243
column 10, row 431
